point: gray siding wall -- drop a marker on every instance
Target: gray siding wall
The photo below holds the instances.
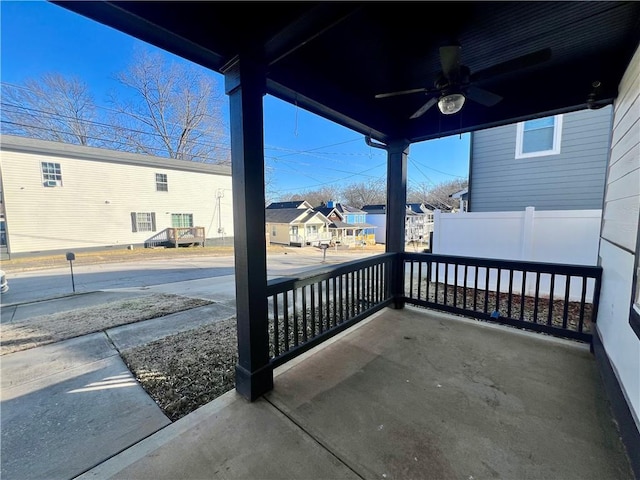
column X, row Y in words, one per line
column 574, row 179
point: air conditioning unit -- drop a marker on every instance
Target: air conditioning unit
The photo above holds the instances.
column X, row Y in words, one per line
column 51, row 183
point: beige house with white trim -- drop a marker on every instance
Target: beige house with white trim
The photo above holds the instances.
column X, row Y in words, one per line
column 58, row 197
column 298, row 227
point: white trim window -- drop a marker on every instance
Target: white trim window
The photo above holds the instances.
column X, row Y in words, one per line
column 162, row 183
column 539, row 137
column 51, row 174
column 143, row 221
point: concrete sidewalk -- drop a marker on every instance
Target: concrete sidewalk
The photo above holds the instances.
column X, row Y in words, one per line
column 68, row 406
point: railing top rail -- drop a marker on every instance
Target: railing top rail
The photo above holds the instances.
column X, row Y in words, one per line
column 278, row 285
column 541, row 267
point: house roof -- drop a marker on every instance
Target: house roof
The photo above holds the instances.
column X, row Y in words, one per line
column 290, row 204
column 284, row 215
column 462, row 193
column 380, row 208
column 292, row 215
column 348, row 209
column 326, row 211
column 333, row 58
column 81, row 152
column 416, row 207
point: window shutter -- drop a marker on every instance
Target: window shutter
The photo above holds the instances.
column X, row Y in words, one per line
column 153, row 221
column 134, row 223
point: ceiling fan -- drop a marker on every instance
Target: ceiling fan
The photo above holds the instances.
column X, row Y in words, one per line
column 455, row 83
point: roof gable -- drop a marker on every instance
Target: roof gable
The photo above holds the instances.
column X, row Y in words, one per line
column 290, row 204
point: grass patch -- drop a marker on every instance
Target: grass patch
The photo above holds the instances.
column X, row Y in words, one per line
column 45, row 329
column 184, row 371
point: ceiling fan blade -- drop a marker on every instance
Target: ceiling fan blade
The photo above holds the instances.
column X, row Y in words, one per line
column 421, row 111
column 514, row 64
column 402, row 92
column 483, row 97
column 450, row 59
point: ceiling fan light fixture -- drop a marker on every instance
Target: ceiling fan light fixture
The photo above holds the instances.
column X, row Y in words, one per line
column 452, row 103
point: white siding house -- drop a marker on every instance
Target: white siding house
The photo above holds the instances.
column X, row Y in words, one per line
column 58, row 197
column 618, row 325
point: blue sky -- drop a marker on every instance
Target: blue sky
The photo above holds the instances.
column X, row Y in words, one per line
column 303, row 151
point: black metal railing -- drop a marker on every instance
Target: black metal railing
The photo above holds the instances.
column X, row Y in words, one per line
column 308, row 310
column 558, row 299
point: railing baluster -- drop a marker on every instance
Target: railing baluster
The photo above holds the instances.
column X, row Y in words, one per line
column 437, row 282
column 295, row 319
column 582, row 303
column 446, row 283
column 341, row 301
column 313, row 310
column 335, row 304
column 328, row 295
column 320, row 309
column 455, row 284
column 486, row 289
column 410, row 295
column 419, row 279
column 475, row 289
column 510, row 300
column 464, row 287
column 304, row 314
column 523, row 293
column 565, row 311
column 536, row 298
column 498, row 291
column 276, row 329
column 354, row 298
column 285, row 311
column 428, row 284
column 551, row 287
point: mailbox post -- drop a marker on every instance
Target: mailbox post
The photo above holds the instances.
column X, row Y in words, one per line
column 71, row 257
column 324, row 247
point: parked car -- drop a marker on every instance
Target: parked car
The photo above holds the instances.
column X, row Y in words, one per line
column 4, row 284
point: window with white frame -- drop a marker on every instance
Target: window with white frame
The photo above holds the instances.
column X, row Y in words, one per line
column 180, row 220
column 143, row 221
column 51, row 174
column 539, row 137
column 162, row 184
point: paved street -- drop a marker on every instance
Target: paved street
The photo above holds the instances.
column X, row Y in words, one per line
column 36, row 285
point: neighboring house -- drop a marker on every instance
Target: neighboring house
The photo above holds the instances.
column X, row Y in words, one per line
column 297, row 227
column 463, row 197
column 418, row 223
column 536, row 191
column 58, row 197
column 551, row 163
column 348, row 224
column 361, row 230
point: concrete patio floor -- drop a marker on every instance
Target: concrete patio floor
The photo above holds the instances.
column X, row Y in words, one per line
column 410, row 394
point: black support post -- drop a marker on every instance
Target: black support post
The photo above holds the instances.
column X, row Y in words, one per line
column 245, row 86
column 397, row 154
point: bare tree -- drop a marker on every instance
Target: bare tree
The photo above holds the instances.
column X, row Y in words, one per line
column 316, row 197
column 437, row 195
column 172, row 110
column 53, row 108
column 365, row 193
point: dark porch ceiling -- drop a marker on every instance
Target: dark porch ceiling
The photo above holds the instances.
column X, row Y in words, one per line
column 332, row 58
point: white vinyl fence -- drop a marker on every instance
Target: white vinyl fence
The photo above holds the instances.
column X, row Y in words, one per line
column 559, row 236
